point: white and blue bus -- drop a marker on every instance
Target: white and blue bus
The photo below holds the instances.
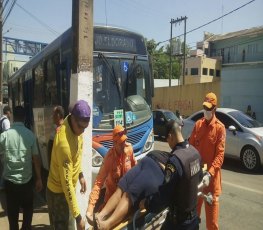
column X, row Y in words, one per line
column 122, row 86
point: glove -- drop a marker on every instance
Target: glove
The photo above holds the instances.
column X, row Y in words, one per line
column 206, row 179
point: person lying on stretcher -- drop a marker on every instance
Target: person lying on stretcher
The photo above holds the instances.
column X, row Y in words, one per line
column 159, row 180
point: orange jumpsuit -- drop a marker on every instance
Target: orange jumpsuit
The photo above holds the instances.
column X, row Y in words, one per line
column 209, row 140
column 113, row 168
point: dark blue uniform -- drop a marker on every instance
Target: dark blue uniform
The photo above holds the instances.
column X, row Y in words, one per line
column 179, row 190
column 145, row 178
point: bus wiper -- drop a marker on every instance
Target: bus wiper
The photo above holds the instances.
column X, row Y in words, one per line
column 133, row 66
column 130, row 73
column 112, row 72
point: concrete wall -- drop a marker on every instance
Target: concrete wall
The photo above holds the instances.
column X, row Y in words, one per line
column 242, row 85
column 187, row 98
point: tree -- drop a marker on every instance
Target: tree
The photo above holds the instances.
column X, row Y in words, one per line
column 161, row 61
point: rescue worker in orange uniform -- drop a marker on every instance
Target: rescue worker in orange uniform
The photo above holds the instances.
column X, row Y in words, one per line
column 116, row 163
column 208, row 137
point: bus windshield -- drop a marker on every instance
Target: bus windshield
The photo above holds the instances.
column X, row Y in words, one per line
column 119, row 83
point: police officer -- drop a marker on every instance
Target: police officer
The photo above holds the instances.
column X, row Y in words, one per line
column 182, row 175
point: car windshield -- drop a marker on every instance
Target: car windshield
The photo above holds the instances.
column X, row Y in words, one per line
column 170, row 116
column 245, row 120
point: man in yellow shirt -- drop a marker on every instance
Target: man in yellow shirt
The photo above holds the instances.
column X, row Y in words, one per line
column 65, row 170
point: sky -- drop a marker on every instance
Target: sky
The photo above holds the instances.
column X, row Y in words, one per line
column 45, row 20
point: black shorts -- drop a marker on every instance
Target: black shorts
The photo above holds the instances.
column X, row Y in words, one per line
column 142, row 180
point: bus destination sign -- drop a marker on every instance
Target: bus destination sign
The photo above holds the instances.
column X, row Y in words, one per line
column 110, row 42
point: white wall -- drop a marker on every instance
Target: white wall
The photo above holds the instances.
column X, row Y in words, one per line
column 164, row 82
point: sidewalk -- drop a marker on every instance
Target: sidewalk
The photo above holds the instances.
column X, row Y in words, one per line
column 40, row 215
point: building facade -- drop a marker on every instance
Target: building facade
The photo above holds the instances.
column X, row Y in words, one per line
column 202, row 69
column 241, row 53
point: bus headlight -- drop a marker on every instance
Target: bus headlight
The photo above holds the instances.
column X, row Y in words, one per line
column 149, row 142
column 97, row 159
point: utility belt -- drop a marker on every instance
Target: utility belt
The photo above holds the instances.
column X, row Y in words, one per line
column 178, row 217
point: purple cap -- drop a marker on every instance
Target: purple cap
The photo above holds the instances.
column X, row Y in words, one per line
column 81, row 109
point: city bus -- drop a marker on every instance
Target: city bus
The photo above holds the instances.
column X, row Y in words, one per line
column 122, row 90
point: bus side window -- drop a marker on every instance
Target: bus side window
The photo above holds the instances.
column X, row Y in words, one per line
column 38, row 86
column 50, row 81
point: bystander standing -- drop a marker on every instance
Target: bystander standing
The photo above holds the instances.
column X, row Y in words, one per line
column 208, row 137
column 58, row 118
column 65, row 170
column 19, row 146
column 4, row 125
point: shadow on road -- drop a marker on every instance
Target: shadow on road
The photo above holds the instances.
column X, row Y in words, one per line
column 157, row 138
column 235, row 165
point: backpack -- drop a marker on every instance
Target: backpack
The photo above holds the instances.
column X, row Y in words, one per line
column 1, row 124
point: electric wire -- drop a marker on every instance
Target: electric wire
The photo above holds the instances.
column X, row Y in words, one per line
column 216, row 19
column 4, row 7
column 9, row 11
column 38, row 20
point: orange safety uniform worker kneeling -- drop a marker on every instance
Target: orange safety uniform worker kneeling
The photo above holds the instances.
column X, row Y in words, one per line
column 208, row 137
column 116, row 163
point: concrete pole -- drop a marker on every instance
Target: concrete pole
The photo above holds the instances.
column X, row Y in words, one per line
column 81, row 82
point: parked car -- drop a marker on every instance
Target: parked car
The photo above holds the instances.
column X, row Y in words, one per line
column 160, row 120
column 244, row 136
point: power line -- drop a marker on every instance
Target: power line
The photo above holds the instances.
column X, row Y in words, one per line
column 9, row 11
column 210, row 21
column 5, row 5
column 39, row 21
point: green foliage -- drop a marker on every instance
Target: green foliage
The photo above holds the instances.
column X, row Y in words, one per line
column 161, row 60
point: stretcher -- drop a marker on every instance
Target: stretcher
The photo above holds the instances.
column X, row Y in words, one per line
column 141, row 219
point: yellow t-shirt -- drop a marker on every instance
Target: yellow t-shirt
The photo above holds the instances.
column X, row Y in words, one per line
column 66, row 165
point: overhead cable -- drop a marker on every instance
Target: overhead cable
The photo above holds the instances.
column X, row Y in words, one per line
column 9, row 11
column 38, row 20
column 211, row 21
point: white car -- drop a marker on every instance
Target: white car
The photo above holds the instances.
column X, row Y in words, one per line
column 244, row 135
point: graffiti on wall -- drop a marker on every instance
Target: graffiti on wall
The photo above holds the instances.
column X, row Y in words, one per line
column 184, row 106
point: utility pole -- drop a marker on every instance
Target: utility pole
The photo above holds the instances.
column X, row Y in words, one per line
column 175, row 21
column 171, row 51
column 184, row 50
column 81, row 82
column 1, row 51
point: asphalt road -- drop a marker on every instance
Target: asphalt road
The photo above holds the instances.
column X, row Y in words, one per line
column 241, row 203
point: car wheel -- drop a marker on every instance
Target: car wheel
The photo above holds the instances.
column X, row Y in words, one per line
column 250, row 158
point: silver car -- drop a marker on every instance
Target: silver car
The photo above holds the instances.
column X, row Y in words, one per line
column 244, row 136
